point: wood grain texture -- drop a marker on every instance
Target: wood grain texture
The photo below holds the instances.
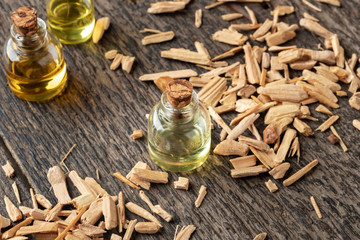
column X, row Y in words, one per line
column 100, row 109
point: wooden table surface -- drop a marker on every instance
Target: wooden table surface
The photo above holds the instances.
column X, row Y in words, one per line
column 101, row 108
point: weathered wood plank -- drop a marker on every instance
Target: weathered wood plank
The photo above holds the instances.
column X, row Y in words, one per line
column 101, row 108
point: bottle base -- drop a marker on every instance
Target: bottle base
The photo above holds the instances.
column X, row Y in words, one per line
column 42, row 91
column 181, row 164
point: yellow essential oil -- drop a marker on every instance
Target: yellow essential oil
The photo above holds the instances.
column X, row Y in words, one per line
column 34, row 60
column 72, row 21
column 179, row 138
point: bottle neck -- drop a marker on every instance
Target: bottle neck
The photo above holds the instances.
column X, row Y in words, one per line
column 30, row 43
column 179, row 115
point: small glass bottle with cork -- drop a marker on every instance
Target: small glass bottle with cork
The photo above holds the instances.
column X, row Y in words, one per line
column 34, row 60
column 179, row 129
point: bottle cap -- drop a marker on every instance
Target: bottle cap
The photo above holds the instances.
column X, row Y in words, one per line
column 179, row 93
column 25, row 21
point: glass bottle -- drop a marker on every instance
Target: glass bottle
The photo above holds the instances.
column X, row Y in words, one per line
column 72, row 21
column 34, row 60
column 179, row 129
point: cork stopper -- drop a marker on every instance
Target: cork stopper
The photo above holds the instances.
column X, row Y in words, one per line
column 25, row 21
column 179, row 93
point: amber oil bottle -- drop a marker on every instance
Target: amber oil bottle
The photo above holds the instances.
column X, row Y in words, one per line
column 72, row 21
column 34, row 60
column 179, row 129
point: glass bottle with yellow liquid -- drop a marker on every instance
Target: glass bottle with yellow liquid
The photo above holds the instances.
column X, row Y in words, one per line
column 179, row 129
column 72, row 21
column 34, row 60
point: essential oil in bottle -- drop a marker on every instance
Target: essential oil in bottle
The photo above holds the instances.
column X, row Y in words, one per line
column 34, row 60
column 179, row 129
column 72, row 21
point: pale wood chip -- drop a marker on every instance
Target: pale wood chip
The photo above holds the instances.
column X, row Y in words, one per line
column 220, row 70
column 229, row 37
column 227, row 54
column 71, row 224
column 136, row 209
column 8, row 169
column 215, row 4
column 54, row 212
column 101, row 25
column 283, row 10
column 231, row 147
column 356, row 124
column 4, row 222
column 12, row 231
column 44, row 227
column 302, row 127
column 110, row 213
column 341, row 94
column 155, row 209
column 151, row 176
column 150, row 30
column 316, row 207
column 130, row 229
column 315, row 27
column 80, row 184
column 231, row 16
column 83, row 200
column 284, row 92
column 137, row 134
column 243, row 162
column 182, row 183
column 251, row 15
column 290, row 135
column 142, row 183
column 280, row 170
column 185, row 233
column 16, row 192
column 201, row 196
column 342, row 144
column 111, row 54
column 186, row 73
column 271, row 186
column 242, row 126
column 256, row 109
column 185, row 55
column 200, row 48
column 296, row 176
column 211, row 93
column 147, row 227
column 158, row 38
column 279, row 38
column 261, row 31
column 261, row 236
column 126, row 63
column 116, row 62
column 125, row 180
column 244, row 27
column 330, row 121
column 166, row 7
column 115, row 237
column 121, row 211
column 198, row 18
column 252, row 66
column 266, row 158
column 332, row 2
column 260, row 145
column 13, row 212
column 248, row 171
column 310, row 17
column 354, row 101
column 94, row 213
column 97, row 189
column 282, row 111
column 312, row 5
